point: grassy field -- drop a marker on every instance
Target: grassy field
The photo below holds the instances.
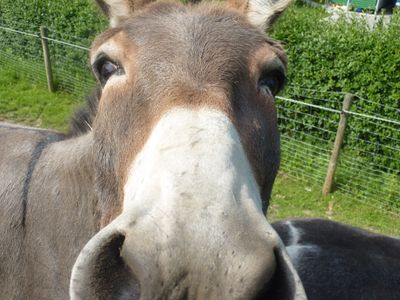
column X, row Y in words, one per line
column 292, row 198
column 23, row 102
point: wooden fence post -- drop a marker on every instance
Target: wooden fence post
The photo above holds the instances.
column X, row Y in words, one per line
column 47, row 61
column 330, row 174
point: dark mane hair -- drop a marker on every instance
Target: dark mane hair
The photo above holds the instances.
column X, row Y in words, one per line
column 82, row 120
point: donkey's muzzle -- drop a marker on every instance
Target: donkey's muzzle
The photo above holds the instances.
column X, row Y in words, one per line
column 117, row 264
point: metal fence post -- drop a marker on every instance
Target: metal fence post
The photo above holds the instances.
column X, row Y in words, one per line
column 330, row 174
column 47, row 61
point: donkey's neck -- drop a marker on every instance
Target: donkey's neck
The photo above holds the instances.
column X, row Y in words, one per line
column 62, row 186
column 67, row 168
column 61, row 214
column 47, row 209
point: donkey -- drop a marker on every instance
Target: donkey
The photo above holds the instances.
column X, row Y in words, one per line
column 163, row 196
column 337, row 261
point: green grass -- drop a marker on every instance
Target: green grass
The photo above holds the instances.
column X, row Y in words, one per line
column 21, row 101
column 293, row 198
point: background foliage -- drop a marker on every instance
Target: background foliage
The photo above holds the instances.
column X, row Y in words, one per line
column 73, row 18
column 345, row 56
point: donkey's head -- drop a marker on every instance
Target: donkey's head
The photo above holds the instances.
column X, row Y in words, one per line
column 187, row 150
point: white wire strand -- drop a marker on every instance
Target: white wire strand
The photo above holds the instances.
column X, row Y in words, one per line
column 20, row 32
column 66, row 44
column 309, row 104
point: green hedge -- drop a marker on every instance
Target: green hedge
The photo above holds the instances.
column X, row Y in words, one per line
column 73, row 18
column 345, row 57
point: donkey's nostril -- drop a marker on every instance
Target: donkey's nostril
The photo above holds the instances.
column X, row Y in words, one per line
column 100, row 270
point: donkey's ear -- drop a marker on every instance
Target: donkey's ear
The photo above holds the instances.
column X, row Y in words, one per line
column 119, row 10
column 261, row 13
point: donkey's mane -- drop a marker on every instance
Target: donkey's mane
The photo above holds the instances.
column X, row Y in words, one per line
column 82, row 120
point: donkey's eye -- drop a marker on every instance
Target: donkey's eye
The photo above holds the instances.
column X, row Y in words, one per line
column 271, row 83
column 105, row 68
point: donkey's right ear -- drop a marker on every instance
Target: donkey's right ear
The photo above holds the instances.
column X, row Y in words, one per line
column 261, row 13
column 119, row 10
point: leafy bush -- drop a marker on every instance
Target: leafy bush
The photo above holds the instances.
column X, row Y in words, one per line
column 72, row 18
column 345, row 56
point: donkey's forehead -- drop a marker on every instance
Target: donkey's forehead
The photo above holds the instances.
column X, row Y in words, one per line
column 195, row 34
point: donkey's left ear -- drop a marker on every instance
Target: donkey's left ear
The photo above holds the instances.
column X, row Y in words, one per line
column 261, row 13
column 119, row 10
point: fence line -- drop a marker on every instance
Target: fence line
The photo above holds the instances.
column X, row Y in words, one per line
column 368, row 167
column 339, row 111
column 336, row 93
column 371, row 183
column 372, row 117
column 67, row 44
column 309, row 104
column 20, row 32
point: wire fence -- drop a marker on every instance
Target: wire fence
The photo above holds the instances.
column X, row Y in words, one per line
column 21, row 49
column 369, row 162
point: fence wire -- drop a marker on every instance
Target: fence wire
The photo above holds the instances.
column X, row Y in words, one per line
column 21, row 50
column 369, row 163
